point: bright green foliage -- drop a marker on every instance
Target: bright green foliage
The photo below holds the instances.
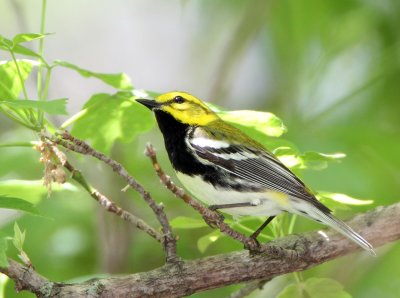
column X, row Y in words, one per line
column 10, row 45
column 315, row 288
column 337, row 201
column 53, row 107
column 25, row 37
column 19, row 237
column 119, row 80
column 204, row 242
column 308, row 160
column 318, row 161
column 10, row 84
column 15, row 74
column 343, row 198
column 183, row 222
column 32, row 191
column 17, row 204
column 106, row 118
column 3, row 249
column 3, row 281
column 15, row 46
column 18, row 241
column 264, row 122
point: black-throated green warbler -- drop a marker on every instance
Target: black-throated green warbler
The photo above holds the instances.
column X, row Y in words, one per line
column 228, row 170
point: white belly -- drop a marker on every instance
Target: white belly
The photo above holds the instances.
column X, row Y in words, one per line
column 265, row 203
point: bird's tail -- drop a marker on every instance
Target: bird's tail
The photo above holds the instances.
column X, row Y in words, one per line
column 341, row 227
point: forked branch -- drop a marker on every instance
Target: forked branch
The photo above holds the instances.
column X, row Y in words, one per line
column 379, row 226
column 72, row 143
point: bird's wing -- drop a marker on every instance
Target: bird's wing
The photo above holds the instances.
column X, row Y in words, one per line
column 252, row 163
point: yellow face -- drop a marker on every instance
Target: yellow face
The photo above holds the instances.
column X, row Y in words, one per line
column 185, row 108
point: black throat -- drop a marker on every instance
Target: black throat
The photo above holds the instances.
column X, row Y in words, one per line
column 175, row 135
column 183, row 160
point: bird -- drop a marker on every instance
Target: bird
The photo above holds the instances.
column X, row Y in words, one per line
column 231, row 172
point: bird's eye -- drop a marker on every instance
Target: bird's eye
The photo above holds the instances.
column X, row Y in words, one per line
column 179, row 99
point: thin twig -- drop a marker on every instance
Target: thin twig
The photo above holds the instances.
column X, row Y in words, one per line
column 103, row 200
column 111, row 206
column 77, row 145
column 213, row 218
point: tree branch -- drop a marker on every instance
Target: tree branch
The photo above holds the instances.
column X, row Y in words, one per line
column 74, row 144
column 379, row 226
column 103, row 200
column 26, row 278
column 111, row 206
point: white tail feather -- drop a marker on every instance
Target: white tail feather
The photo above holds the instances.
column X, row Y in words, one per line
column 344, row 229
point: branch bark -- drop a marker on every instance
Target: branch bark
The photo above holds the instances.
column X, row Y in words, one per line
column 74, row 144
column 379, row 226
column 104, row 201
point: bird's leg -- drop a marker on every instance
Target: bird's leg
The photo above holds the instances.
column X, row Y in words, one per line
column 223, row 206
column 234, row 205
column 244, row 204
column 262, row 227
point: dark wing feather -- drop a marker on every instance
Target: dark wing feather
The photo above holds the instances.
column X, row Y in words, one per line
column 256, row 166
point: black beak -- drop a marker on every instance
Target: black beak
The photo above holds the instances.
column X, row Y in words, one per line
column 150, row 104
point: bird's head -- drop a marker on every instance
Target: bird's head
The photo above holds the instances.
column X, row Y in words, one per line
column 184, row 107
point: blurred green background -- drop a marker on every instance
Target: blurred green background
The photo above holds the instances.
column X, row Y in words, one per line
column 329, row 69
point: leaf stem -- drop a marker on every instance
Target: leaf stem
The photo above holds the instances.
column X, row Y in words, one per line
column 19, row 121
column 19, row 74
column 73, row 118
column 44, row 95
column 19, row 144
column 30, row 114
column 298, row 276
column 41, row 94
column 291, row 224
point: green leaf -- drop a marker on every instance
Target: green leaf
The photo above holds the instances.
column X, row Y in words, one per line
column 5, row 44
column 19, row 237
column 308, row 160
column 15, row 46
column 25, row 37
column 10, row 45
column 106, row 118
column 288, row 156
column 291, row 291
column 318, row 161
column 337, row 201
column 10, row 84
column 19, row 49
column 32, row 191
column 119, row 80
column 29, row 144
column 263, row 127
column 3, row 281
column 53, row 107
column 315, row 288
column 204, row 242
column 17, row 204
column 325, row 288
column 264, row 122
column 183, row 222
column 3, row 249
